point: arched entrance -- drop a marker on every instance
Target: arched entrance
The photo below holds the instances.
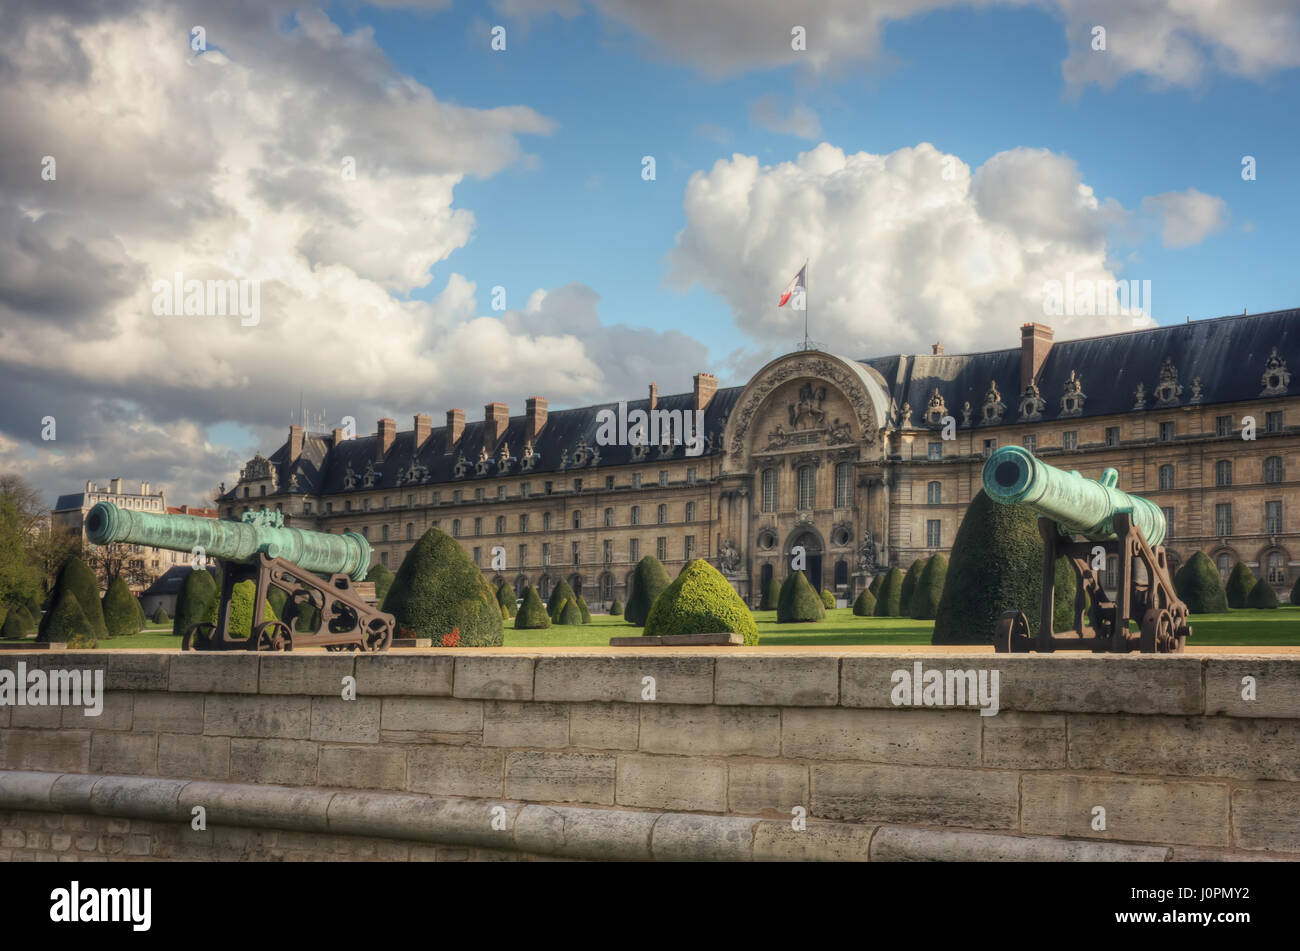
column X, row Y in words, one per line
column 811, row 543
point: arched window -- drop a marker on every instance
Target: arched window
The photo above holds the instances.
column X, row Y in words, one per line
column 636, row 515
column 609, row 518
column 1166, row 477
column 1275, row 571
column 769, row 490
column 1223, row 472
column 1273, row 469
column 933, row 493
column 577, row 519
column 807, row 494
column 662, row 514
column 843, row 479
column 690, row 511
column 1224, row 564
column 410, row 531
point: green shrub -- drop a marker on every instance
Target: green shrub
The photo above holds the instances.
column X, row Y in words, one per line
column 1240, row 583
column 701, row 601
column 12, row 629
column 121, row 610
column 382, row 578
column 799, row 600
column 192, row 603
column 586, row 611
column 506, row 598
column 1202, row 588
column 828, row 599
column 1295, row 591
column 929, row 588
column 241, row 609
column 65, row 620
column 1063, row 590
column 616, row 608
column 771, row 595
column 277, row 599
column 82, row 642
column 567, row 612
column 438, row 589
column 649, row 579
column 532, row 614
column 876, row 582
column 889, row 598
column 1262, row 596
column 160, row 615
column 74, row 576
column 865, row 605
column 910, row 579
column 555, row 603
column 29, row 625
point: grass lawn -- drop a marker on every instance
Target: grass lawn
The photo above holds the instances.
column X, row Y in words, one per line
column 1255, row 628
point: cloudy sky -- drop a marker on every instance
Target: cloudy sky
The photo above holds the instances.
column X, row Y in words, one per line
column 431, row 222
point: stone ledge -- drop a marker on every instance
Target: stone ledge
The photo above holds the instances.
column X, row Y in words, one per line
column 560, row 831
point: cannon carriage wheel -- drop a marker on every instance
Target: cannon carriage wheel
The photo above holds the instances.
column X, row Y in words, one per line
column 272, row 636
column 1158, row 635
column 198, row 636
column 1012, row 635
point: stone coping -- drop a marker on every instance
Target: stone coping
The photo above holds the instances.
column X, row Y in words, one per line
column 577, row 832
column 1223, row 650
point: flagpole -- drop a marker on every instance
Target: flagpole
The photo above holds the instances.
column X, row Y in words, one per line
column 805, row 305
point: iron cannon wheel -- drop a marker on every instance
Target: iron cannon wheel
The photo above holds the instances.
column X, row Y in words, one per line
column 1158, row 632
column 1012, row 635
column 197, row 637
column 379, row 635
column 274, row 636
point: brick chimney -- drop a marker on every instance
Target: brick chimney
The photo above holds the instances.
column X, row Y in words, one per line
column 295, row 444
column 536, row 410
column 706, row 384
column 1035, row 344
column 387, row 433
column 423, row 425
column 497, row 418
column 336, row 437
column 455, row 427
column 115, row 486
column 936, row 348
column 654, row 395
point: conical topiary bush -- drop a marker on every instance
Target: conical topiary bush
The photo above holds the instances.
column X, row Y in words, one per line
column 828, row 599
column 586, row 611
column 1262, row 596
column 890, row 596
column 568, row 613
column 196, row 592
column 382, row 579
column 65, row 620
column 506, row 598
column 1240, row 583
column 438, row 589
column 771, row 595
column 649, row 579
column 929, row 588
column 910, row 579
column 74, row 576
column 1202, row 588
column 799, row 601
column 160, row 615
column 559, row 595
column 865, row 604
column 700, row 601
column 532, row 614
column 121, row 610
column 616, row 608
column 876, row 582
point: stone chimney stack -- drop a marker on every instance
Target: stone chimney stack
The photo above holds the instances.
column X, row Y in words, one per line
column 336, row 436
column 536, row 409
column 422, row 426
column 387, row 433
column 115, row 486
column 455, row 427
column 296, row 438
column 496, row 416
column 706, row 384
column 936, row 348
column 654, row 395
column 1035, row 344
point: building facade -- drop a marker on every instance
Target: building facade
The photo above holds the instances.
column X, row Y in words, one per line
column 864, row 464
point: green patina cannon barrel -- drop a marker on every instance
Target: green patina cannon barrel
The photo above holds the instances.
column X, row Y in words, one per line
column 1086, row 507
column 320, row 552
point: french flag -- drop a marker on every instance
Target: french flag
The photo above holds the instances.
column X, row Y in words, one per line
column 798, row 281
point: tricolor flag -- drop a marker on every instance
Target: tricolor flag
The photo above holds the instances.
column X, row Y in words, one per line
column 798, row 281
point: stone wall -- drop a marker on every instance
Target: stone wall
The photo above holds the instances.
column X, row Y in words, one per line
column 515, row 755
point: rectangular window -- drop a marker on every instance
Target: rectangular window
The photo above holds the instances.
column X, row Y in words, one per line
column 1223, row 426
column 843, row 477
column 478, row 526
column 501, row 492
column 1070, row 439
column 1112, row 435
column 1273, row 518
column 989, row 446
column 546, row 554
column 457, row 495
column 523, row 490
column 636, row 480
column 768, row 483
column 661, row 548
column 1223, row 473
column 523, row 523
column 1273, row 422
column 1169, row 520
column 329, row 508
column 634, row 550
column 546, row 521
column 1166, row 432
column 690, row 476
column 663, row 476
column 523, row 556
column 690, row 547
column 383, row 558
column 478, row 494
column 306, row 508
column 609, row 482
column 548, row 487
column 577, row 553
column 1031, row 443
column 933, row 533
column 1223, row 519
column 478, row 553
column 577, row 485
column 437, row 498
column 347, row 505
column 935, row 451
column 608, row 551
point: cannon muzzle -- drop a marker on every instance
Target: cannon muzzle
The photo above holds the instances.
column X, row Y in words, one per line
column 242, row 541
column 1087, row 507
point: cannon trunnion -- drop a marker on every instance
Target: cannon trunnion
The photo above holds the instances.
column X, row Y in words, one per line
column 260, row 549
column 1112, row 523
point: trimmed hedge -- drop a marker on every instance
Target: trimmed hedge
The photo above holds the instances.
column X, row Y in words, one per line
column 1262, row 596
column 1240, row 583
column 876, row 582
column 12, row 629
column 929, row 588
column 241, row 609
column 568, row 613
column 1295, row 591
column 66, row 619
column 29, row 624
column 586, row 611
column 160, row 615
column 828, row 599
column 890, row 596
column 506, row 598
column 649, row 579
column 81, row 581
column 701, row 601
column 771, row 595
column 561, row 593
column 383, row 579
column 438, row 589
column 192, row 603
column 1202, row 588
column 121, row 609
column 532, row 614
column 799, row 600
column 909, row 585
column 616, row 608
column 865, row 604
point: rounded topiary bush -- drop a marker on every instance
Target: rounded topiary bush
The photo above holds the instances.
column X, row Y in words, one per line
column 910, row 579
column 929, row 588
column 382, row 579
column 438, row 589
column 1240, row 583
column 865, row 604
column 121, row 610
column 616, row 608
column 532, row 614
column 828, row 599
column 65, row 620
column 771, row 595
column 160, row 615
column 1202, row 588
column 876, row 582
column 649, row 579
column 506, row 598
column 1262, row 596
column 799, row 601
column 192, row 602
column 74, row 576
column 890, row 596
column 700, row 601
